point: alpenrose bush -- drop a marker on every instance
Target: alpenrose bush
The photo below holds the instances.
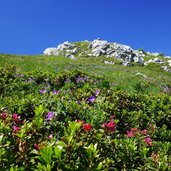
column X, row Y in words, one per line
column 81, row 146
column 72, row 121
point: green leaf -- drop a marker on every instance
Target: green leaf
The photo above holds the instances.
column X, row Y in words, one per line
column 46, row 154
column 58, row 151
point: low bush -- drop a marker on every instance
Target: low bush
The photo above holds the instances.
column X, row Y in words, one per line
column 74, row 121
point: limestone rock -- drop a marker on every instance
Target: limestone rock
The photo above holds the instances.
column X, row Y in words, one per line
column 125, row 63
column 141, row 74
column 109, row 62
column 165, row 68
column 154, row 60
column 50, row 51
column 169, row 62
column 138, row 60
column 70, row 56
column 64, row 49
column 100, row 47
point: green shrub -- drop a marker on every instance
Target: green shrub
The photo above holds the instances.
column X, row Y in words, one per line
column 74, row 121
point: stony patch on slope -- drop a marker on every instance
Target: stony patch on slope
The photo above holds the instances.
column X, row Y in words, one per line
column 99, row 47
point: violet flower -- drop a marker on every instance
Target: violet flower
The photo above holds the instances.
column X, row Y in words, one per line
column 97, row 92
column 47, row 87
column 42, row 91
column 50, row 116
column 78, row 102
column 55, row 92
column 91, row 99
column 78, row 80
column 19, row 75
column 30, row 80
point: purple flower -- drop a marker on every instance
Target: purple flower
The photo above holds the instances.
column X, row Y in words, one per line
column 42, row 91
column 56, row 69
column 67, row 80
column 81, row 79
column 91, row 99
column 85, row 78
column 78, row 102
column 47, row 86
column 30, row 80
column 50, row 116
column 78, row 80
column 19, row 75
column 55, row 92
column 97, row 92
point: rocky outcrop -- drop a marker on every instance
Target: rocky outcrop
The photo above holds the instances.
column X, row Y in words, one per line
column 51, row 51
column 169, row 62
column 160, row 62
column 99, row 47
column 154, row 60
column 165, row 68
column 67, row 49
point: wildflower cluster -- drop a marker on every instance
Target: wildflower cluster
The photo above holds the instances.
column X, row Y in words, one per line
column 136, row 132
column 70, row 121
column 86, row 126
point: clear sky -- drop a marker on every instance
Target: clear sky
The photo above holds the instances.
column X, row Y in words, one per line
column 30, row 26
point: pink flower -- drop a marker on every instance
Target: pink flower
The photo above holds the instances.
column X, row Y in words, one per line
column 50, row 136
column 112, row 117
column 155, row 156
column 16, row 117
column 132, row 132
column 87, row 127
column 3, row 116
column 36, row 146
column 16, row 128
column 110, row 126
column 129, row 134
column 152, row 126
column 148, row 141
column 144, row 132
column 80, row 121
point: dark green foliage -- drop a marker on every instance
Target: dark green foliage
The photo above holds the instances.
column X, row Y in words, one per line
column 41, row 123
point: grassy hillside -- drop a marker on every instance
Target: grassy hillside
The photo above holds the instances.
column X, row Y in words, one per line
column 62, row 114
column 126, row 78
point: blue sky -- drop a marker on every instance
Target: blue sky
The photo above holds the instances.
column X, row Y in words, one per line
column 30, row 26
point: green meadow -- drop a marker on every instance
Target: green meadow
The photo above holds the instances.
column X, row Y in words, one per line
column 69, row 115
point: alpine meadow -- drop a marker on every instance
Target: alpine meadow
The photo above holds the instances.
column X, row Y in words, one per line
column 88, row 105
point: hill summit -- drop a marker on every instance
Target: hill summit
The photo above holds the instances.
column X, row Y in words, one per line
column 124, row 53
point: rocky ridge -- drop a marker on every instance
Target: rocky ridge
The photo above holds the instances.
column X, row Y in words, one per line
column 99, row 47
